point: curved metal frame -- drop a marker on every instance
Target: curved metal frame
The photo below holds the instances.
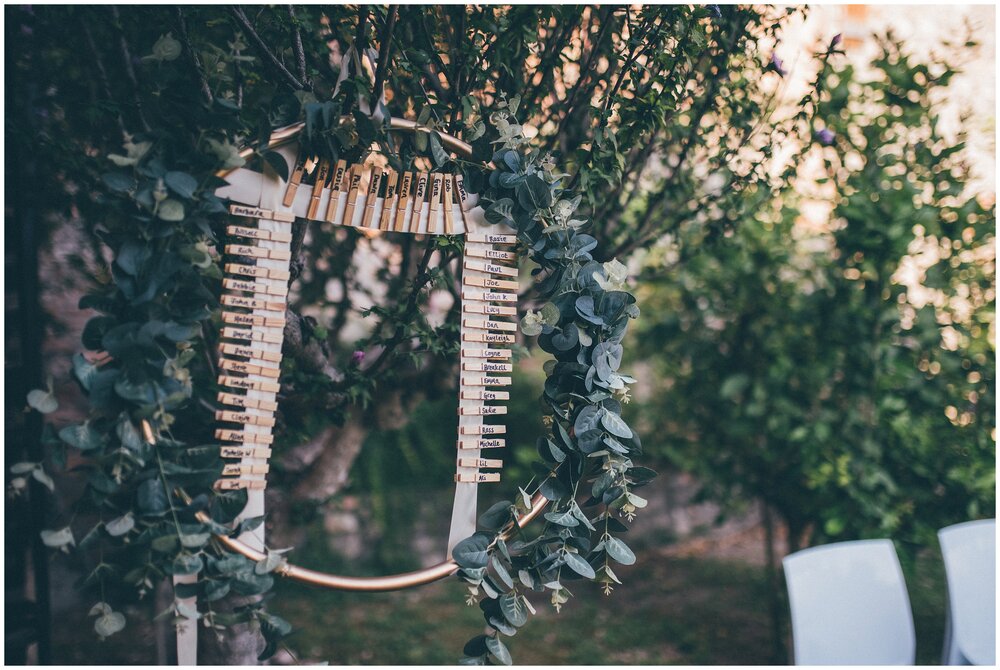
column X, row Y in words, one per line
column 388, row 582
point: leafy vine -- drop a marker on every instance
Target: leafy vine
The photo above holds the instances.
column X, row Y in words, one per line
column 588, row 447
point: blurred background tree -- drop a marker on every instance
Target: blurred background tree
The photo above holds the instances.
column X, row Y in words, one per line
column 842, row 375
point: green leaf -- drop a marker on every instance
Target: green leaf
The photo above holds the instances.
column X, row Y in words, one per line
column 577, row 564
column 614, row 425
column 496, row 516
column 128, row 433
column 58, row 539
column 472, row 551
column 501, row 572
column 187, row 610
column 501, row 625
column 440, row 156
column 195, row 540
column 164, row 544
column 533, row 193
column 420, row 140
column 733, row 386
column 564, row 518
column 118, row 182
column 550, row 314
column 108, row 624
column 22, row 468
column 120, row 525
column 166, row 48
column 83, row 437
column 619, row 551
column 43, row 401
column 476, row 646
column 834, row 526
column 277, row 163
column 152, row 498
column 588, row 419
column 607, row 357
column 500, row 212
column 187, row 564
column 526, row 578
column 182, row 184
column 498, row 650
column 531, row 324
column 268, row 563
column 216, row 589
column 512, row 160
column 513, row 609
column 170, row 210
column 84, row 370
column 100, row 608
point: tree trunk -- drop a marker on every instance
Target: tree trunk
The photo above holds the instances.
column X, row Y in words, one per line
column 779, row 653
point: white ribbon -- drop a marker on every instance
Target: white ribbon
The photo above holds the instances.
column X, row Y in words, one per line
column 352, row 60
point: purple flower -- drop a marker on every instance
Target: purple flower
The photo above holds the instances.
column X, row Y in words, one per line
column 825, row 136
column 777, row 65
column 715, row 10
column 357, row 357
column 835, row 42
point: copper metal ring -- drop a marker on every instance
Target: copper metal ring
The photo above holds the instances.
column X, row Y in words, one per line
column 388, row 582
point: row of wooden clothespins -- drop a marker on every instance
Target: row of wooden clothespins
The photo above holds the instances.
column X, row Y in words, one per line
column 380, row 198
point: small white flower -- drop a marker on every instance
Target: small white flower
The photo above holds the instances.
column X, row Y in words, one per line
column 616, row 276
column 531, row 323
column 227, row 153
column 134, row 152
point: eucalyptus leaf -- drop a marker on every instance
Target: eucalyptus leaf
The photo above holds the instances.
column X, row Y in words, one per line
column 81, row 436
column 120, row 525
column 108, row 624
column 472, row 551
column 170, row 210
column 577, row 564
column 181, row 183
column 43, row 401
column 614, row 425
column 57, row 539
column 22, row 468
column 619, row 551
column 513, row 609
column 564, row 518
column 498, row 650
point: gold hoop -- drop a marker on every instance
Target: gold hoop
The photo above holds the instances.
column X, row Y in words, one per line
column 388, row 582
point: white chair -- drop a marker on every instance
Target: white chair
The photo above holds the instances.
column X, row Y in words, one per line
column 969, row 553
column 849, row 605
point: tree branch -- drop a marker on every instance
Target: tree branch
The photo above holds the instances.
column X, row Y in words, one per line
column 585, row 71
column 129, row 70
column 102, row 73
column 300, row 54
column 206, row 90
column 627, row 246
column 384, row 55
column 361, row 32
column 458, row 63
column 269, row 57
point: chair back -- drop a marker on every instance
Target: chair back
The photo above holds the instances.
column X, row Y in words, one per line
column 849, row 605
column 969, row 553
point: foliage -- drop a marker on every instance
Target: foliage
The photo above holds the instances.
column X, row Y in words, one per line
column 581, row 325
column 813, row 369
column 140, row 107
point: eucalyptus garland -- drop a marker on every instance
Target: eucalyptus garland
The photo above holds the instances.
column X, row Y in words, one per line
column 150, row 381
column 586, row 469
